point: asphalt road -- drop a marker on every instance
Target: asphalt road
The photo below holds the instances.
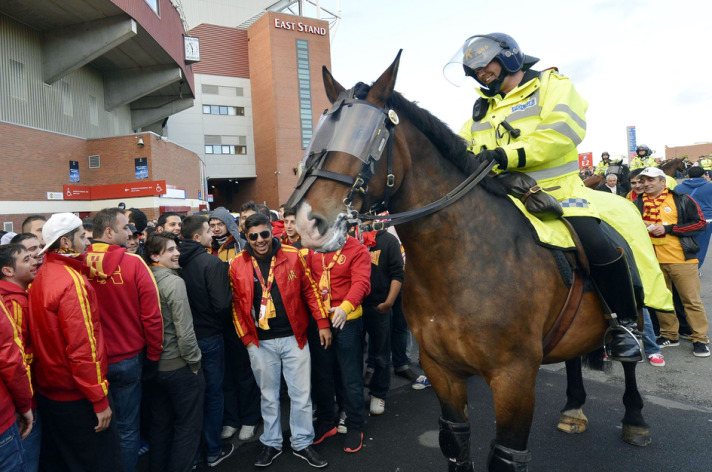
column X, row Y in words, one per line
column 678, row 408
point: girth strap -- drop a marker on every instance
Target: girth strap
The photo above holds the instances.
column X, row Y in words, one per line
column 567, row 314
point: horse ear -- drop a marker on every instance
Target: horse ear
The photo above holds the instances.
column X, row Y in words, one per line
column 333, row 88
column 382, row 89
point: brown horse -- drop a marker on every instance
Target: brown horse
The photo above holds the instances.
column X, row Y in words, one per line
column 671, row 167
column 479, row 295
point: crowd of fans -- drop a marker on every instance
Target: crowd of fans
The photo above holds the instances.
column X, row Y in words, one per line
column 123, row 336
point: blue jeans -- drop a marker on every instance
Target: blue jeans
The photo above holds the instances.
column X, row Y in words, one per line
column 341, row 363
column 11, row 451
column 649, row 344
column 283, row 356
column 213, row 367
column 125, row 385
column 31, row 444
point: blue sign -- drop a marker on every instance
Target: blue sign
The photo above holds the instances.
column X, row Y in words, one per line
column 631, row 140
column 200, row 195
column 141, row 165
column 74, row 171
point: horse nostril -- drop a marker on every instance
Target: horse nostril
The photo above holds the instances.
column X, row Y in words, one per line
column 321, row 224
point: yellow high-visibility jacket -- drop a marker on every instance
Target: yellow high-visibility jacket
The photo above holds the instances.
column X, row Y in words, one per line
column 639, row 162
column 550, row 116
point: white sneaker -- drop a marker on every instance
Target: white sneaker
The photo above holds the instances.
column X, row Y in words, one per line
column 228, row 432
column 246, row 432
column 341, row 428
column 378, row 406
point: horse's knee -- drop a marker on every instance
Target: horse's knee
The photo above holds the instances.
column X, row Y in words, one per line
column 504, row 459
column 455, row 443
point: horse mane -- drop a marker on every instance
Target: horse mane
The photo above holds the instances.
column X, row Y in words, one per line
column 449, row 144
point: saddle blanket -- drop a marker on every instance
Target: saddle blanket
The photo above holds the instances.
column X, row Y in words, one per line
column 622, row 217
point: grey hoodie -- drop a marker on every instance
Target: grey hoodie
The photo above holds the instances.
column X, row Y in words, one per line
column 180, row 346
column 223, row 215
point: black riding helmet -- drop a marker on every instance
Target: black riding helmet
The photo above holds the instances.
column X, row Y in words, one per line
column 480, row 50
column 643, row 147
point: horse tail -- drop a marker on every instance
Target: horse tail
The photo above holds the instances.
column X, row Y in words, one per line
column 595, row 360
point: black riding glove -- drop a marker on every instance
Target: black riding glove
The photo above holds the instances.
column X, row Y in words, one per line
column 497, row 155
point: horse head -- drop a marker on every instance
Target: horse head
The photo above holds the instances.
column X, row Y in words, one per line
column 349, row 163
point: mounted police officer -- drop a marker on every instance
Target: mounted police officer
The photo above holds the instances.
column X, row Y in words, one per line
column 530, row 122
column 642, row 158
column 603, row 165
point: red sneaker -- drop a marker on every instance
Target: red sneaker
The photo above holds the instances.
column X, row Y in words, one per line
column 656, row 360
column 353, row 441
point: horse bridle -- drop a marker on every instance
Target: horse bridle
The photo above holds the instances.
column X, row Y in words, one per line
column 384, row 137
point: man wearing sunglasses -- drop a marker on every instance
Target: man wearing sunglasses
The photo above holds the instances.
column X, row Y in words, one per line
column 273, row 295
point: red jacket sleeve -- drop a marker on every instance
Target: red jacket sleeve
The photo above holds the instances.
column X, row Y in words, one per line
column 77, row 321
column 150, row 305
column 312, row 296
column 360, row 274
column 14, row 372
column 241, row 291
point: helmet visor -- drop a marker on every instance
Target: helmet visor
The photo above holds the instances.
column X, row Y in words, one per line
column 473, row 55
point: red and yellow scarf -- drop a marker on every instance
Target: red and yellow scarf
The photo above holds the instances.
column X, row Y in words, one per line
column 651, row 213
column 267, row 309
column 325, row 280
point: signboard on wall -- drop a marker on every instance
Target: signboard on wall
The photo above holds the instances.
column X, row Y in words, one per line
column 104, row 192
column 74, row 171
column 141, row 164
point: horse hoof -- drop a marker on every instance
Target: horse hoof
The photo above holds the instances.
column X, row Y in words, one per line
column 636, row 435
column 572, row 422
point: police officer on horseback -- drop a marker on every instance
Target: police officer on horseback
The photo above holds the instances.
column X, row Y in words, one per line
column 529, row 122
column 603, row 165
column 642, row 158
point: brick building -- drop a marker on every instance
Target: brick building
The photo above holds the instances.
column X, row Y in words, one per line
column 83, row 83
column 692, row 151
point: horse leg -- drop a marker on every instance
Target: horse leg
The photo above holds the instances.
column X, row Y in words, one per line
column 513, row 394
column 572, row 419
column 635, row 430
column 454, row 437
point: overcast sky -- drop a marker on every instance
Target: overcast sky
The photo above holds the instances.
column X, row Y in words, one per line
column 644, row 63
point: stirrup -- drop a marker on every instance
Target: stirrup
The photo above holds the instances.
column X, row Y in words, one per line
column 623, row 344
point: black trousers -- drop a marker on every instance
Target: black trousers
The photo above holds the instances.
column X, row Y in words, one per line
column 69, row 442
column 240, row 390
column 176, row 420
column 597, row 246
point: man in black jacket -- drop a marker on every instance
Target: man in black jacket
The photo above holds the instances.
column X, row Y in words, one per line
column 210, row 298
column 673, row 219
column 387, row 276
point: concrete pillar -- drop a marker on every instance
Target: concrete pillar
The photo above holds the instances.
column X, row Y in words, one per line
column 125, row 86
column 65, row 50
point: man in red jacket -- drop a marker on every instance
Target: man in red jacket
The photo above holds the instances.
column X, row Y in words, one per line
column 131, row 318
column 344, row 281
column 15, row 396
column 17, row 270
column 69, row 357
column 271, row 292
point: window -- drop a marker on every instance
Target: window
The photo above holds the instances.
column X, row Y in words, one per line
column 225, row 149
column 18, row 84
column 153, row 4
column 304, row 81
column 223, row 110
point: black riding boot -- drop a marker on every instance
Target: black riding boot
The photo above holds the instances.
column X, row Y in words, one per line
column 504, row 459
column 455, row 445
column 622, row 340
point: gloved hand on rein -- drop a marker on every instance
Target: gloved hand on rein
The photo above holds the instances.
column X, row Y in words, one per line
column 497, row 155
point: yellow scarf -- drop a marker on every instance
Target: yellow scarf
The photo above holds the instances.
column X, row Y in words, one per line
column 325, row 280
column 267, row 309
